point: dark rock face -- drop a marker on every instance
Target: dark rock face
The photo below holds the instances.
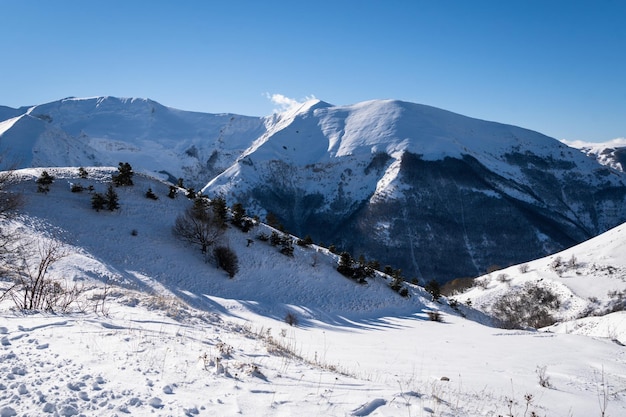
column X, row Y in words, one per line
column 457, row 218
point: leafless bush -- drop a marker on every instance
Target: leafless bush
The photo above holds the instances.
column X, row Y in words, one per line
column 544, row 379
column 523, row 268
column 528, row 306
column 457, row 285
column 617, row 301
column 33, row 288
column 198, row 225
column 435, row 315
column 291, row 319
column 482, row 282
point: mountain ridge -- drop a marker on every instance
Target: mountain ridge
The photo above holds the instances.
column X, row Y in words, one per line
column 402, row 182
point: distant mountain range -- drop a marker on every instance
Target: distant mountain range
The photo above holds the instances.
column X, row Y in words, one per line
column 434, row 193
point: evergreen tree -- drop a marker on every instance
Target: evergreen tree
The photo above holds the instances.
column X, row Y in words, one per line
column 220, row 209
column 151, row 195
column 98, row 201
column 111, row 199
column 44, row 181
column 434, row 289
column 345, row 264
column 239, row 213
column 124, row 175
column 82, row 173
column 172, row 192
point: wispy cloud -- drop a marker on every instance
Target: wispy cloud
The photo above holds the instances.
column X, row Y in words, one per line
column 285, row 103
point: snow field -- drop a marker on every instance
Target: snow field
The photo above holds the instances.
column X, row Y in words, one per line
column 177, row 337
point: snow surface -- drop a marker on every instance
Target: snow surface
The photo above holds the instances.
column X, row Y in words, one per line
column 176, row 336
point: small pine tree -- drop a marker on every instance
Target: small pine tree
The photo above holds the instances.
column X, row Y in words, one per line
column 275, row 239
column 179, row 184
column 151, row 195
column 82, row 173
column 77, row 188
column 111, row 199
column 124, row 176
column 434, row 289
column 272, row 220
column 287, row 247
column 239, row 213
column 345, row 264
column 98, row 201
column 306, row 241
column 44, row 181
column 45, row 178
column 191, row 193
column 172, row 192
column 218, row 204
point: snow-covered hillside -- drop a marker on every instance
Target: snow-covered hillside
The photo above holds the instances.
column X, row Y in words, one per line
column 176, row 336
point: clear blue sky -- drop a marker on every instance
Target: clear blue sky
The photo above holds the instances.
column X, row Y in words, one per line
column 558, row 67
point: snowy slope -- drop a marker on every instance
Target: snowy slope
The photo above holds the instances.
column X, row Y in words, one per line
column 177, row 337
column 589, row 279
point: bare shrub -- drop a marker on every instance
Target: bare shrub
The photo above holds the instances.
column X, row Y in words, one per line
column 457, row 285
column 482, row 282
column 573, row 262
column 503, row 278
column 544, row 379
column 528, row 306
column 198, row 225
column 291, row 319
column 32, row 288
column 617, row 301
column 435, row 315
column 523, row 268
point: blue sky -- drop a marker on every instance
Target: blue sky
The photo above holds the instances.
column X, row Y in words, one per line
column 558, row 67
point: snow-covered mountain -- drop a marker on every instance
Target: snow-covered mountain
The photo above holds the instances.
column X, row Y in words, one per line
column 159, row 331
column 611, row 153
column 438, row 194
column 103, row 131
column 434, row 193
